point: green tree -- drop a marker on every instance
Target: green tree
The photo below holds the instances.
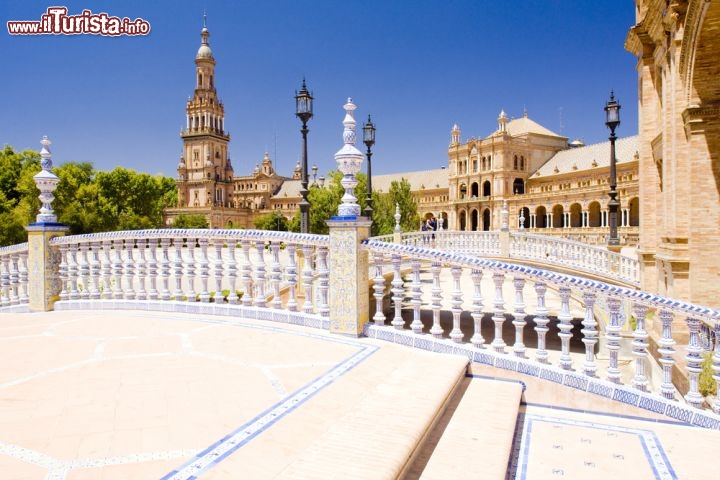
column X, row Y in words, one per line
column 272, row 221
column 384, row 209
column 190, row 221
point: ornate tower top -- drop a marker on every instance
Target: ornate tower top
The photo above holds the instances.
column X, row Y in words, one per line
column 502, row 122
column 455, row 135
column 204, row 52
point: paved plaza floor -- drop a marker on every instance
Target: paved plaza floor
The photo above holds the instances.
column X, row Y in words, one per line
column 136, row 395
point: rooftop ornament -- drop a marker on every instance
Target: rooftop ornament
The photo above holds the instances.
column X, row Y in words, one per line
column 46, row 181
column 349, row 160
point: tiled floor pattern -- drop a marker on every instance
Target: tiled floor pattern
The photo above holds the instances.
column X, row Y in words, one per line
column 553, row 443
column 86, row 394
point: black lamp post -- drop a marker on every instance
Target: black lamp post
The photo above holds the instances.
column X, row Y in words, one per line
column 369, row 141
column 612, row 120
column 303, row 110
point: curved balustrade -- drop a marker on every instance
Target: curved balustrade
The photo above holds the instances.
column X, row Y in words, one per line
column 13, row 276
column 225, row 268
column 577, row 367
column 574, row 255
column 540, row 249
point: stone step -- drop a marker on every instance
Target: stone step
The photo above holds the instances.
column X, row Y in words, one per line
column 474, row 437
column 379, row 437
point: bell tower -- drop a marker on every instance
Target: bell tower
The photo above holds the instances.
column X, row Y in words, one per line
column 205, row 173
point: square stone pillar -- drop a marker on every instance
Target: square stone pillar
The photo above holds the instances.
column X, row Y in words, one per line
column 348, row 263
column 43, row 265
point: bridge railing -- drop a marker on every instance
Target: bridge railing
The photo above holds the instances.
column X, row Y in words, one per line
column 575, row 255
column 220, row 269
column 538, row 249
column 442, row 281
column 14, row 275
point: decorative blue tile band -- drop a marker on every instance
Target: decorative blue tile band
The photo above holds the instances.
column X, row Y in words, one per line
column 654, row 452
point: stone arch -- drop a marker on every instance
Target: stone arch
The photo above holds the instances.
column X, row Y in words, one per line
column 487, row 223
column 463, row 191
column 558, row 217
column 634, row 211
column 474, row 190
column 462, row 219
column 518, row 186
column 575, row 215
column 487, row 191
column 541, row 217
column 594, row 216
column 474, row 220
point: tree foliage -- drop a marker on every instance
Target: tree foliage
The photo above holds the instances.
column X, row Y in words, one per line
column 190, row 221
column 324, row 204
column 86, row 200
column 272, row 221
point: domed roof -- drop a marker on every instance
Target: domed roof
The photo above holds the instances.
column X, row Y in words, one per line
column 204, row 50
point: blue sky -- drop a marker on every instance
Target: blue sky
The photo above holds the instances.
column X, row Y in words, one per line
column 416, row 66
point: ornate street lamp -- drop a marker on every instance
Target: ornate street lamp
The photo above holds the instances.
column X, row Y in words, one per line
column 612, row 120
column 369, row 141
column 304, row 111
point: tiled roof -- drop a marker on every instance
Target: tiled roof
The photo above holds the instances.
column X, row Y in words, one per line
column 524, row 125
column 437, row 178
column 289, row 188
column 589, row 157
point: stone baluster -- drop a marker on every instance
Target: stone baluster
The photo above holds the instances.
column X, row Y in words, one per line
column 416, row 295
column 117, row 269
column 204, row 264
column 640, row 346
column 398, row 292
column 260, row 274
column 275, row 274
column 498, row 344
column 218, row 298
column 436, row 330
column 93, row 260
column 129, row 269
column 24, row 278
column 613, row 339
column 456, row 333
column 565, row 325
column 5, row 281
column 165, row 268
column 14, row 279
column 178, row 268
column 141, row 264
column 477, row 309
column 152, row 268
column 716, row 366
column 73, row 271
column 666, row 351
column 519, row 317
column 246, row 276
column 190, row 271
column 324, row 281
column 590, row 334
column 106, row 270
column 694, row 363
column 378, row 289
column 232, row 272
column 541, row 321
column 307, row 276
column 63, row 273
column 291, row 277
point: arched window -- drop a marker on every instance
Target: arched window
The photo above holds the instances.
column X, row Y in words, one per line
column 486, row 188
column 515, row 162
column 522, row 162
column 200, row 79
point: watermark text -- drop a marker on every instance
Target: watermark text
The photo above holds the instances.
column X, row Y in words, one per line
column 56, row 21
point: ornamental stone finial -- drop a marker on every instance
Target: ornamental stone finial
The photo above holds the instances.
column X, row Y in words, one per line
column 46, row 182
column 397, row 217
column 349, row 160
column 504, row 217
